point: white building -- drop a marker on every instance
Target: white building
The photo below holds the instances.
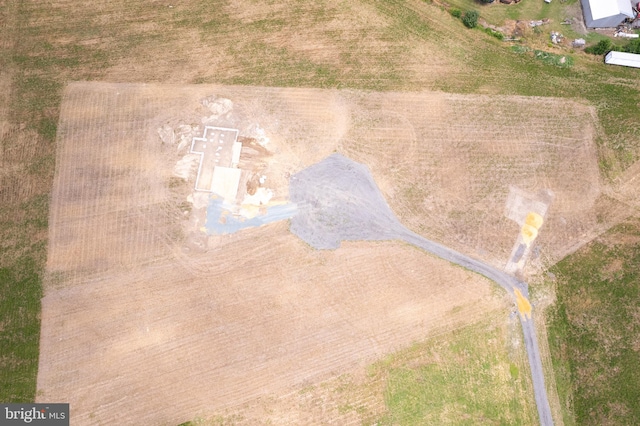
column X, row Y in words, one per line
column 622, row 58
column 606, row 13
column 218, row 171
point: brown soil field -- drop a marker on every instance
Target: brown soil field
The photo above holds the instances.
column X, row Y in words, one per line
column 445, row 163
column 145, row 317
column 164, row 344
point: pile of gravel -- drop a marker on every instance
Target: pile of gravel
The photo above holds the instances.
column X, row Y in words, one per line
column 338, row 200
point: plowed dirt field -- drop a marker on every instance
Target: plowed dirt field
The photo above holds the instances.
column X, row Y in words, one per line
column 146, row 317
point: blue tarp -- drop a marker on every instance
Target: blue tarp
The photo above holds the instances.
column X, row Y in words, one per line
column 220, row 220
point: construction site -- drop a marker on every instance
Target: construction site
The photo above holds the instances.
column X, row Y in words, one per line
column 172, row 271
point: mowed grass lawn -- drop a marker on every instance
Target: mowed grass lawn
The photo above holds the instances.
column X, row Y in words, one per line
column 371, row 45
column 594, row 330
column 473, row 376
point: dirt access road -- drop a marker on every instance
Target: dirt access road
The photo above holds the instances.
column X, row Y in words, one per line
column 338, row 200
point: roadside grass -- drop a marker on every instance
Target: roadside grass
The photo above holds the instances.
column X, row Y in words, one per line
column 473, row 375
column 595, row 327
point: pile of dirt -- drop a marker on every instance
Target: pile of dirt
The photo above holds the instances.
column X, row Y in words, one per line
column 219, row 108
column 515, row 29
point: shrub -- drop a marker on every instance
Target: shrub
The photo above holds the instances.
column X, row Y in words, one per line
column 496, row 34
column 602, row 47
column 470, row 19
column 456, row 13
column 633, row 46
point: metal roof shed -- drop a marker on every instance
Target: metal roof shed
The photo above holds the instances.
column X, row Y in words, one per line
column 622, row 58
column 606, row 13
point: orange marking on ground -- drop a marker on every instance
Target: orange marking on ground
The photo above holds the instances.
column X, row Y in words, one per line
column 529, row 233
column 534, row 219
column 532, row 224
column 524, row 307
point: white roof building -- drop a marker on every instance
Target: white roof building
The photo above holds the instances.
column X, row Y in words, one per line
column 606, row 13
column 622, row 58
column 219, row 152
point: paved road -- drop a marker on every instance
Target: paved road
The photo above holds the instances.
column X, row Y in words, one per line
column 338, row 200
column 509, row 283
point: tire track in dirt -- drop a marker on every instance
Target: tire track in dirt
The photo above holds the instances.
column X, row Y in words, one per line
column 243, row 336
column 258, row 312
column 90, row 187
column 339, row 201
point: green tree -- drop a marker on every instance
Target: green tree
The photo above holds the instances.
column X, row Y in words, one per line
column 602, row 47
column 633, row 46
column 470, row 18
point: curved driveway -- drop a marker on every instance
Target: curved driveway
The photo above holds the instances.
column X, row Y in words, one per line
column 338, row 200
column 509, row 283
